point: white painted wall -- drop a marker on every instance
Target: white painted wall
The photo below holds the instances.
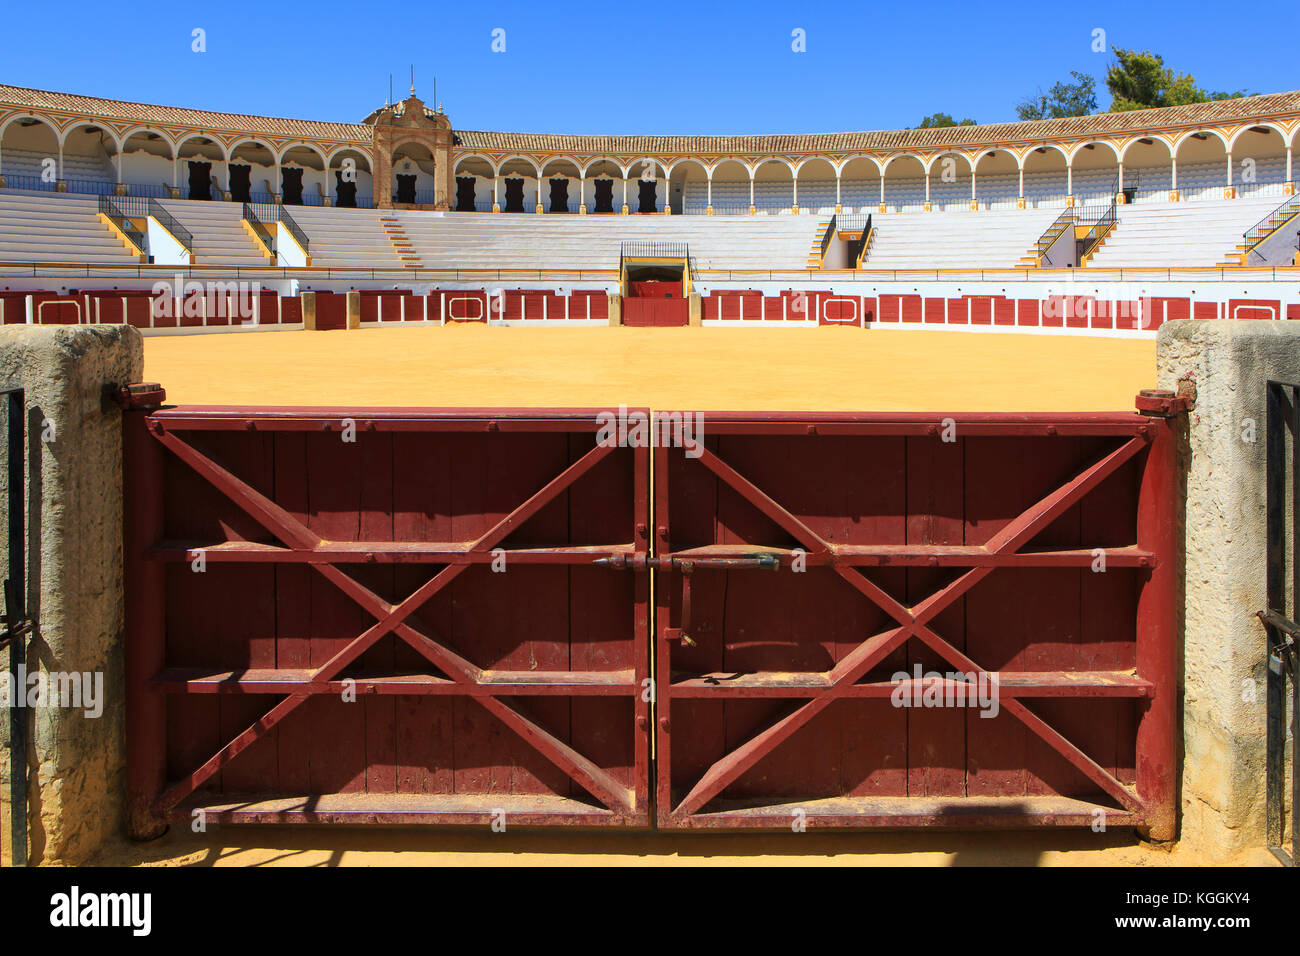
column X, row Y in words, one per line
column 166, row 251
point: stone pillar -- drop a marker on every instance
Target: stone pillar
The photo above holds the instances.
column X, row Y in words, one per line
column 75, row 754
column 615, row 310
column 1224, row 535
column 308, row 300
column 694, row 309
column 354, row 309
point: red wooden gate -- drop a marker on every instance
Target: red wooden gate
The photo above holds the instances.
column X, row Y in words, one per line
column 384, row 616
column 861, row 620
column 838, row 593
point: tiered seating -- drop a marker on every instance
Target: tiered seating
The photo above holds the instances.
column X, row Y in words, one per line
column 343, row 238
column 45, row 227
column 24, row 163
column 1178, row 234
column 219, row 237
column 347, row 238
column 955, row 240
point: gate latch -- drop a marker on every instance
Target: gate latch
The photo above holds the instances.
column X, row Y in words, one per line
column 140, row 395
column 17, row 627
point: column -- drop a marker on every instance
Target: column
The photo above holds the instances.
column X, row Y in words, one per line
column 838, row 208
column 625, row 209
column 1227, row 193
column 794, row 205
column 751, row 193
column 1173, row 178
column 974, row 201
column 1020, row 198
column 1120, row 183
column 496, row 196
column 927, row 190
column 582, row 194
column 882, row 191
column 709, row 209
column 1069, row 183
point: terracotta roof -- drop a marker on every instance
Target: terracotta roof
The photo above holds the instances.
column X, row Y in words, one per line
column 23, row 98
column 1036, row 131
column 1196, row 114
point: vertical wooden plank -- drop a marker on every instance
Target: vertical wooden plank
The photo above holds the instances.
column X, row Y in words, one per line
column 293, row 585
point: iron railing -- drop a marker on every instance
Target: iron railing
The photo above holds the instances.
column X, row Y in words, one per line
column 171, row 224
column 826, row 238
column 266, row 213
column 1270, row 223
column 264, row 232
column 864, row 244
column 28, row 181
column 1063, row 222
column 1101, row 226
column 645, row 249
column 1282, row 571
column 109, row 207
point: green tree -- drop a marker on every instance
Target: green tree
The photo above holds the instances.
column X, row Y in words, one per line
column 935, row 120
column 1139, row 81
column 1063, row 99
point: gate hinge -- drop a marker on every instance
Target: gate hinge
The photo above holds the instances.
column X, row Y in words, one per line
column 140, row 396
column 1162, row 403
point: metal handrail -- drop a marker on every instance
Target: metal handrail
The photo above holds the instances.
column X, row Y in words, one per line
column 1262, row 227
column 259, row 227
column 647, row 249
column 136, row 236
column 266, row 213
column 868, row 234
column 294, row 229
column 826, row 239
column 1054, row 231
column 172, row 225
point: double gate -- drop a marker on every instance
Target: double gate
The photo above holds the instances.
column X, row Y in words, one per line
column 444, row 616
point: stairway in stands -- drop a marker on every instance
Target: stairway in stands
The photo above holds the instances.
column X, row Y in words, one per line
column 1265, row 228
column 815, row 258
column 401, row 242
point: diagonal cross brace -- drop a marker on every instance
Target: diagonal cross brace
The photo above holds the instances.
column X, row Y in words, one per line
column 390, row 618
column 912, row 622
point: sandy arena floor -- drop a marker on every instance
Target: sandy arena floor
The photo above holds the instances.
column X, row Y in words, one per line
column 833, row 369
column 795, row 369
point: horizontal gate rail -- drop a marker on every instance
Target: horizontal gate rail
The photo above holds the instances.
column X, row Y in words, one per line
column 742, row 776
column 272, row 464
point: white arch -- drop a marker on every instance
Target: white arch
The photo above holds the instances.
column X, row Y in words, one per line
column 455, row 166
column 225, row 156
column 1132, row 140
column 871, row 159
column 1080, row 147
column 23, row 116
column 929, row 164
column 279, row 157
column 360, row 151
column 1242, row 131
column 78, row 124
column 983, row 154
column 814, row 159
column 753, row 170
column 639, row 163
column 240, row 142
column 730, row 159
column 1178, row 143
column 601, row 159
column 897, row 156
column 708, row 174
column 537, row 170
column 171, row 143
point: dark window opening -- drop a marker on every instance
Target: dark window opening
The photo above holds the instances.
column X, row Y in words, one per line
column 345, row 191
column 405, row 188
column 604, row 195
column 559, row 195
column 200, row 180
column 514, row 195
column 240, row 185
column 291, row 187
column 646, row 196
column 465, row 193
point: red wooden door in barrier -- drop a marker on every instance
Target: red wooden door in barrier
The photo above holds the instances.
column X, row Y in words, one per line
column 385, row 616
column 914, row 620
column 441, row 616
column 657, row 312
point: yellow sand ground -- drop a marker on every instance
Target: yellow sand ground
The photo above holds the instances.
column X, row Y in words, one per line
column 711, row 369
column 828, row 368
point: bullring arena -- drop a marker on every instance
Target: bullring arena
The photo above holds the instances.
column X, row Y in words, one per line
column 312, row 470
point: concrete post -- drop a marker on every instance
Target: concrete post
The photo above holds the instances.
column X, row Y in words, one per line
column 694, row 309
column 1224, row 667
column 354, row 309
column 76, row 758
column 615, row 310
column 308, row 300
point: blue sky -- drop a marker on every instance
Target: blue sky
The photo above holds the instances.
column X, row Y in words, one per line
column 663, row 67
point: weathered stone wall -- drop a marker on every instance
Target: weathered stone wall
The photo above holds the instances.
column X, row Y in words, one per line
column 1224, row 660
column 74, row 530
